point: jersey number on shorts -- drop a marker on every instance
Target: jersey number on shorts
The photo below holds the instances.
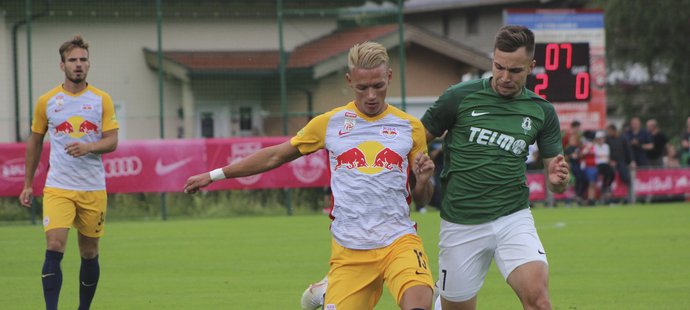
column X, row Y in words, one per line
column 420, row 259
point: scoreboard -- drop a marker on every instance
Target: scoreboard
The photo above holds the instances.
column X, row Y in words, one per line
column 561, row 73
column 570, row 69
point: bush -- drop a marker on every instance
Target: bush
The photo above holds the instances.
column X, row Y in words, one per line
column 147, row 206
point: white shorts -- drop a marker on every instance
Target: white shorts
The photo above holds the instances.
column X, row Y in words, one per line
column 466, row 252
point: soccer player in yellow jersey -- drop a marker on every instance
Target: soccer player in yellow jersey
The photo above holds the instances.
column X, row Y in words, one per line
column 80, row 120
column 373, row 147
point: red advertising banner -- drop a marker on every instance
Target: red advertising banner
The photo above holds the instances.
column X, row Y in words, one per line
column 164, row 166
column 306, row 171
column 654, row 182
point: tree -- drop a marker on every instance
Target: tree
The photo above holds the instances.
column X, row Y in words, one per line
column 653, row 34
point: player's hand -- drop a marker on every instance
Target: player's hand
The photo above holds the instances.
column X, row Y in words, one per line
column 26, row 196
column 559, row 171
column 194, row 183
column 423, row 167
column 76, row 149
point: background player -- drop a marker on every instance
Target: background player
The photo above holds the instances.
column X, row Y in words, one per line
column 80, row 120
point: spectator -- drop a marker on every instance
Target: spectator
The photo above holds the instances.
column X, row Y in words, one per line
column 685, row 143
column 533, row 161
column 436, row 154
column 671, row 159
column 602, row 158
column 640, row 141
column 572, row 153
column 589, row 169
column 574, row 130
column 621, row 154
column 655, row 155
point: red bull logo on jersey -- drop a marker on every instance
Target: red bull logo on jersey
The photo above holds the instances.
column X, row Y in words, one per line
column 88, row 127
column 64, row 128
column 370, row 157
column 352, row 158
column 389, row 159
column 76, row 127
column 389, row 132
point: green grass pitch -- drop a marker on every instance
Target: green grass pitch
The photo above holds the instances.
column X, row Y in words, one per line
column 623, row 257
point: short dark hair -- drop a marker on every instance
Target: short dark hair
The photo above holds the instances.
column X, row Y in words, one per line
column 512, row 37
column 575, row 124
column 76, row 42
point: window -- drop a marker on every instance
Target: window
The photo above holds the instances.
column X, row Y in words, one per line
column 245, row 118
column 472, row 22
column 207, row 125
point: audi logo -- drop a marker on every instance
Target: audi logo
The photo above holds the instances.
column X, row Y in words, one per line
column 122, row 166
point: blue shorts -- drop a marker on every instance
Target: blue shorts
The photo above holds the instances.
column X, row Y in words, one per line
column 591, row 173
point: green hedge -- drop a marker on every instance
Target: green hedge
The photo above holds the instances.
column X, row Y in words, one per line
column 206, row 204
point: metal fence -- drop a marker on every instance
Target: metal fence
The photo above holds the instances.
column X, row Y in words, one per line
column 196, row 69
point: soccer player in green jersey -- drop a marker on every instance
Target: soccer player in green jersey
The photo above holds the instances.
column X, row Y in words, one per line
column 489, row 124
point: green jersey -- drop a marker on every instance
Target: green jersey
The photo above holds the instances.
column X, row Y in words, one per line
column 486, row 146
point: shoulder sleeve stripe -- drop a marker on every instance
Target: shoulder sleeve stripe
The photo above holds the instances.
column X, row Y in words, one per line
column 39, row 124
column 312, row 137
column 109, row 119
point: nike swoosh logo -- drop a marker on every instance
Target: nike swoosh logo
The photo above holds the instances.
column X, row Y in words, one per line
column 88, row 285
column 475, row 113
column 162, row 169
column 541, row 252
column 340, row 132
column 47, row 275
column 417, row 272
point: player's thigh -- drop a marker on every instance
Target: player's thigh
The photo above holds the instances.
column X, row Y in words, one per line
column 354, row 279
column 407, row 265
column 91, row 211
column 59, row 208
column 518, row 242
column 465, row 254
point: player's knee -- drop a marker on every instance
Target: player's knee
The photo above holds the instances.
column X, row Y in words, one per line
column 537, row 300
column 57, row 245
column 88, row 253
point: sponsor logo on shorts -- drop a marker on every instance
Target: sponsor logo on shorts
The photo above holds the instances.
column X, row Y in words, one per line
column 540, row 251
column 330, row 307
column 46, row 221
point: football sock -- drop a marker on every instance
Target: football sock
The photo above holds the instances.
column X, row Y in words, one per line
column 51, row 277
column 88, row 280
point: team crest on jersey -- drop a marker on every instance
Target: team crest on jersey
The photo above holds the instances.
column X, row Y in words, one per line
column 87, row 107
column 527, row 124
column 389, row 132
column 59, row 103
column 348, row 124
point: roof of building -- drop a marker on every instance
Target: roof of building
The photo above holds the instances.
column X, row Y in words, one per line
column 321, row 56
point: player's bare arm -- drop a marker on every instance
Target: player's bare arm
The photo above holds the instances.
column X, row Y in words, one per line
column 557, row 173
column 423, row 169
column 34, row 147
column 261, row 161
column 107, row 144
column 429, row 136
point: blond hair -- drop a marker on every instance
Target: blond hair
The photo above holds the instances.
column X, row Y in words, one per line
column 367, row 55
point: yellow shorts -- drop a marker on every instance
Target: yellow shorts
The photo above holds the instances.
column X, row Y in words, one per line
column 356, row 277
column 85, row 210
